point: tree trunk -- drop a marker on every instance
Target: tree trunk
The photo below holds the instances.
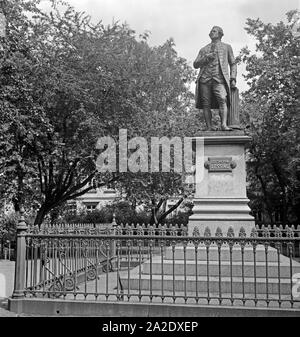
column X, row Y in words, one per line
column 54, row 215
column 152, row 219
column 282, row 184
column 2, row 247
column 171, row 209
column 42, row 212
column 265, row 195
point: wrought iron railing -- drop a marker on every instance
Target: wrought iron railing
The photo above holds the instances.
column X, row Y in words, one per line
column 161, row 264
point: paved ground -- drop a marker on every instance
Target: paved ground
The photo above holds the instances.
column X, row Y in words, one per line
column 7, row 270
column 4, row 312
column 7, row 273
column 7, row 283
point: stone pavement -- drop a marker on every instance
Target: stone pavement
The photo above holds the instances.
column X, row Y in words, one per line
column 4, row 312
column 7, row 271
column 7, row 283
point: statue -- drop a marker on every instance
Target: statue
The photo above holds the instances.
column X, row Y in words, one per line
column 214, row 87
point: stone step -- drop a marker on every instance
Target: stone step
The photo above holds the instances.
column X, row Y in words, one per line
column 179, row 283
column 224, row 254
column 189, row 268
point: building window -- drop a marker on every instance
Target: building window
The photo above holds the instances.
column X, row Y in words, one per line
column 90, row 207
column 72, row 208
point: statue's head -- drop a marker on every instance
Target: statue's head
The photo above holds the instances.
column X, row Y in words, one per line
column 216, row 32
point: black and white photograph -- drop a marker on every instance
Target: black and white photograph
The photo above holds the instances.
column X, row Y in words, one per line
column 149, row 162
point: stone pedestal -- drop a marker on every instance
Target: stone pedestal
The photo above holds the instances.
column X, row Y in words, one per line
column 220, row 197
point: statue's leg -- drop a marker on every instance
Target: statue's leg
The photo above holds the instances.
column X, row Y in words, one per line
column 221, row 95
column 205, row 91
column 208, row 118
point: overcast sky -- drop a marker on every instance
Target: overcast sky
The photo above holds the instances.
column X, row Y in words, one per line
column 189, row 21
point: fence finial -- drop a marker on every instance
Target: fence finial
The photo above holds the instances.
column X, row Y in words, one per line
column 196, row 231
column 207, row 231
column 230, row 232
column 254, row 233
column 242, row 232
column 114, row 219
column 21, row 222
column 219, row 232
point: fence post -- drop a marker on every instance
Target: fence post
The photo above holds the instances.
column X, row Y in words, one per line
column 19, row 283
column 113, row 245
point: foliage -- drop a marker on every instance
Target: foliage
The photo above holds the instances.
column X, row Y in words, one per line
column 23, row 120
column 8, row 225
column 271, row 112
column 123, row 213
column 97, row 216
column 65, row 82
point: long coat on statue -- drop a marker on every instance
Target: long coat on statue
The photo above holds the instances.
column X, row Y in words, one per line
column 226, row 58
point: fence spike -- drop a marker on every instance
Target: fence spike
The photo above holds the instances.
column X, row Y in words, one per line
column 289, row 232
column 278, row 232
column 140, row 230
column 266, row 232
column 173, row 230
column 230, row 232
column 151, row 230
column 219, row 232
column 242, row 232
column 119, row 230
column 196, row 231
column 184, row 231
column 207, row 231
column 254, row 233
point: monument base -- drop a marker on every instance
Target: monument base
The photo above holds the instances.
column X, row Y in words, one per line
column 220, row 179
column 221, row 212
column 182, row 271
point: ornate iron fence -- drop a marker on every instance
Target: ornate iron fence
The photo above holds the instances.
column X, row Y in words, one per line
column 159, row 264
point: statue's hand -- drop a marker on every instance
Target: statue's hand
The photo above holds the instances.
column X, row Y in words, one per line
column 232, row 84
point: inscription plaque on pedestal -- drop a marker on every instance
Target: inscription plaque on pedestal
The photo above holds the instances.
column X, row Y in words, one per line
column 220, row 164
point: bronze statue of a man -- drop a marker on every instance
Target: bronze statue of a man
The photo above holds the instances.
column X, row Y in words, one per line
column 213, row 82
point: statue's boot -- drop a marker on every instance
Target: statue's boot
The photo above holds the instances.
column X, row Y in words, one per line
column 223, row 115
column 208, row 117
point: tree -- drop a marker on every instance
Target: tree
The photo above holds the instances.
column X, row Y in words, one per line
column 7, row 230
column 23, row 120
column 165, row 111
column 270, row 110
column 79, row 81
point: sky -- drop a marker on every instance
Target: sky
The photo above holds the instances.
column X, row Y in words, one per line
column 188, row 22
